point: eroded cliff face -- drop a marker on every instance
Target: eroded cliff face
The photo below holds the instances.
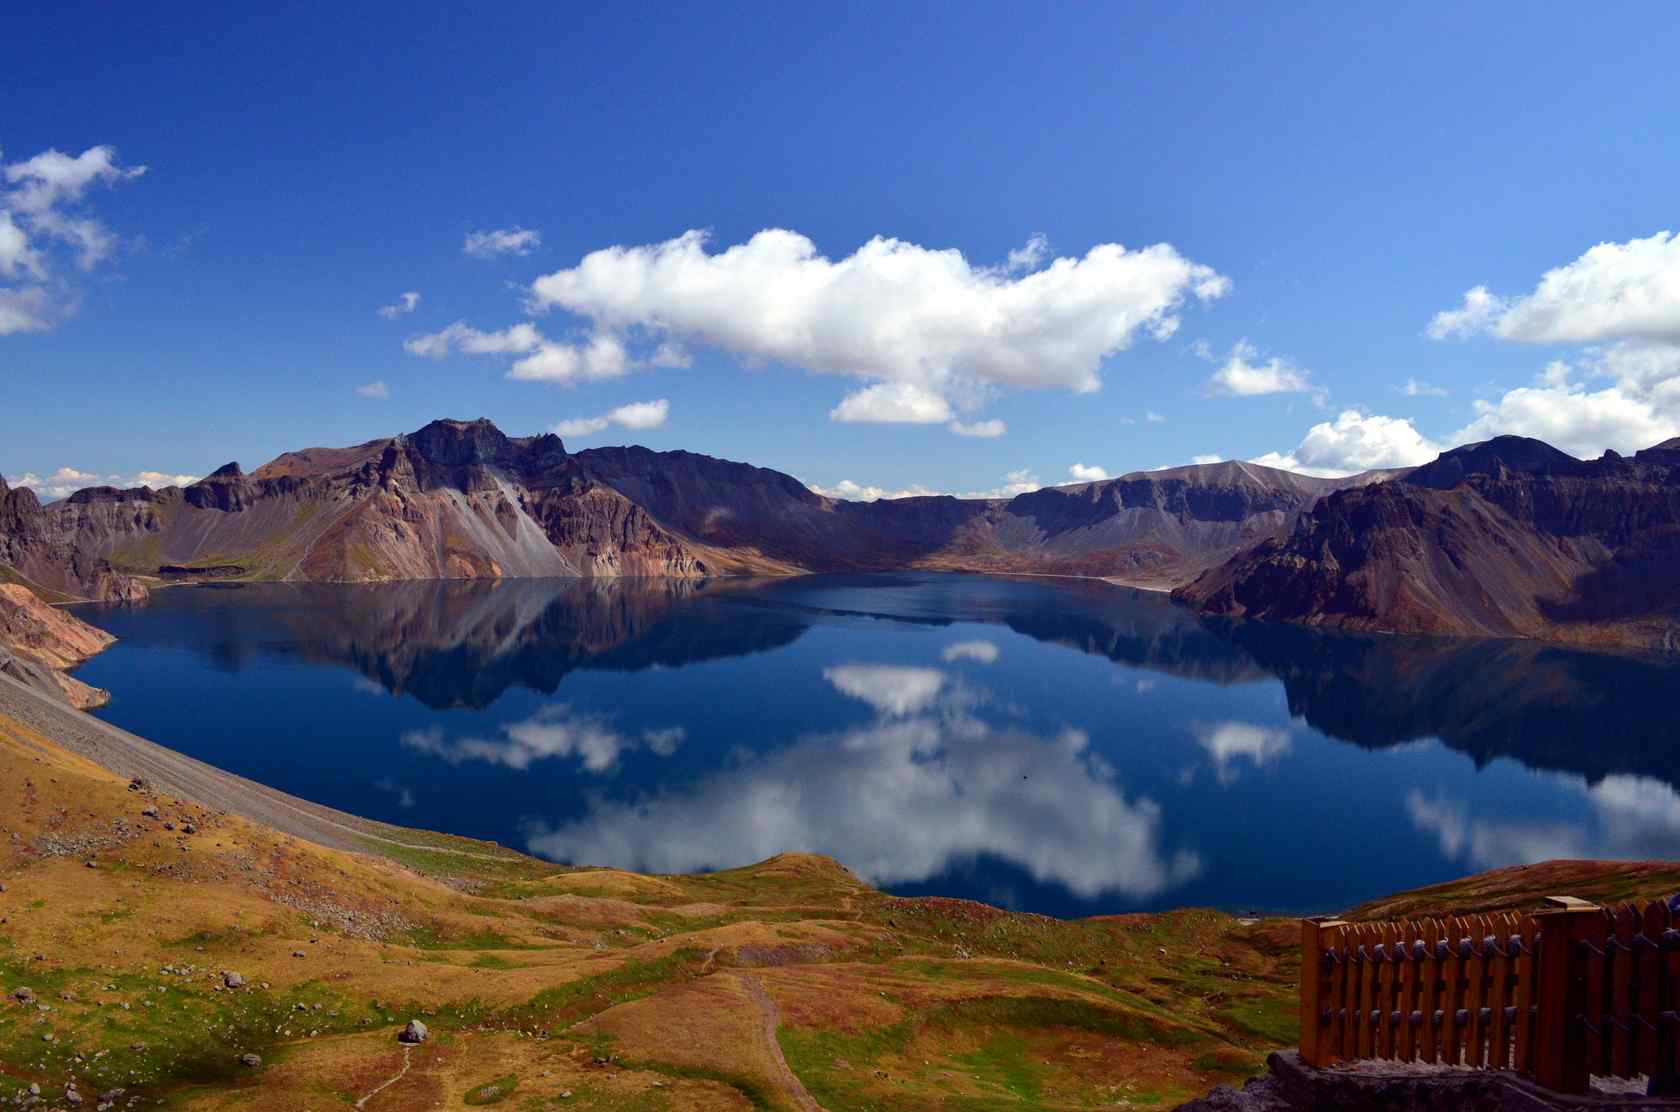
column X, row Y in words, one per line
column 1506, row 538
column 459, row 499
column 38, row 642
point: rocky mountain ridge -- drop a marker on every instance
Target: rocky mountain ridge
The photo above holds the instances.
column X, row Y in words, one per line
column 1509, row 537
column 460, row 499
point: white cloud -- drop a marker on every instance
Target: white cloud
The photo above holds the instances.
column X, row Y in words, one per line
column 406, row 303
column 376, row 390
column 635, row 415
column 554, row 731
column 1243, row 376
column 890, row 689
column 892, row 403
column 1153, row 418
column 66, row 481
column 1087, row 474
column 1029, row 255
column 1228, row 742
column 501, row 241
column 461, row 336
column 44, row 226
column 985, row 429
column 982, row 651
column 1015, row 482
column 1207, row 458
column 1355, row 442
column 1415, row 388
column 601, row 356
column 1638, row 408
column 892, row 313
column 923, row 793
column 1615, row 291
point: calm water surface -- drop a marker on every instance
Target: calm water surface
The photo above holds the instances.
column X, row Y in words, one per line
column 1057, row 746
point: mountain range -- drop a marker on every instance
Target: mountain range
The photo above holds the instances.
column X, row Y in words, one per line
column 1508, row 537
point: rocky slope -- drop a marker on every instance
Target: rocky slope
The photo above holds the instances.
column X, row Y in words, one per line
column 38, row 642
column 461, row 500
column 1505, row 538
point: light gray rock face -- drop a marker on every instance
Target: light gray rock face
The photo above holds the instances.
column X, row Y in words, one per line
column 415, row 1032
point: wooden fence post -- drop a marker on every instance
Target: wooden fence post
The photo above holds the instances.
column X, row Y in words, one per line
column 1317, row 935
column 1560, row 1060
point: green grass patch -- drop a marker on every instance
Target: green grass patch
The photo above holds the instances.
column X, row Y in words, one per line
column 492, row 1092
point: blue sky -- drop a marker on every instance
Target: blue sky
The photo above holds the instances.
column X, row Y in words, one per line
column 1322, row 182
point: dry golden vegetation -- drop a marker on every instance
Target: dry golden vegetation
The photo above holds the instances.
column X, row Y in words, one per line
column 161, row 942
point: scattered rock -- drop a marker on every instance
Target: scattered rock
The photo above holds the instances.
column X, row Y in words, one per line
column 251, row 1061
column 149, row 811
column 188, row 828
column 24, row 996
column 232, row 979
column 415, row 1032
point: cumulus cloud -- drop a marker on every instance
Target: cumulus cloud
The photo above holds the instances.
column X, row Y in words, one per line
column 890, row 689
column 1030, row 255
column 635, row 415
column 924, row 792
column 1153, row 418
column 1628, row 818
column 893, row 403
column 376, row 390
column 406, row 303
column 983, row 652
column 1244, row 375
column 1087, row 474
column 46, row 228
column 1227, row 743
column 1355, row 442
column 1628, row 399
column 1015, row 482
column 555, row 731
column 1621, row 299
column 1615, row 291
column 66, row 481
column 501, row 241
column 918, row 323
column 543, row 360
column 984, row 429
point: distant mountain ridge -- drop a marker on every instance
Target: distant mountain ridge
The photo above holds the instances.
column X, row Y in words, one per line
column 460, row 499
column 1509, row 537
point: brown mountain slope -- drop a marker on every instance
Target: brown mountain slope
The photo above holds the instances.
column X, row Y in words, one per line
column 38, row 642
column 461, row 500
column 1506, row 538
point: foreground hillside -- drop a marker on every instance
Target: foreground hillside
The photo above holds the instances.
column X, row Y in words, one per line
column 785, row 985
column 458, row 499
column 1506, row 538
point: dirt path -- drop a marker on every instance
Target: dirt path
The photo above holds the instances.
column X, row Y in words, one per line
column 171, row 772
column 771, row 1020
column 408, row 1060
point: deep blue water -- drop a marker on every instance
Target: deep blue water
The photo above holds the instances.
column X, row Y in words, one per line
column 1050, row 745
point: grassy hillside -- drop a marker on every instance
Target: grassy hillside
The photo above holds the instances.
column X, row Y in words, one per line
column 784, row 985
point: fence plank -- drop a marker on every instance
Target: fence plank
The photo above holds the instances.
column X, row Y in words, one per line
column 1648, row 967
column 1595, row 929
column 1335, row 1000
column 1527, row 970
column 1621, row 992
column 1559, row 1063
column 1499, row 992
column 1388, row 972
column 1475, row 991
column 1350, row 993
column 1452, row 992
column 1367, row 989
column 1405, row 1043
column 1429, row 977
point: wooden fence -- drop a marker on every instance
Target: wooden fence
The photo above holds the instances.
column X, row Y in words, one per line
column 1570, row 991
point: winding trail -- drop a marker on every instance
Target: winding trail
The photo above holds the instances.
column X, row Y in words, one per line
column 771, row 1018
column 408, row 1060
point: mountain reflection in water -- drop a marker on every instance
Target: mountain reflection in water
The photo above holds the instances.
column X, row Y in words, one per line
column 1059, row 745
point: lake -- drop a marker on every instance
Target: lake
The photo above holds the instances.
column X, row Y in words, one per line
column 1059, row 746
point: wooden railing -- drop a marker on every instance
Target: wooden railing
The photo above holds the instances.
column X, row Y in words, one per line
column 1568, row 992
